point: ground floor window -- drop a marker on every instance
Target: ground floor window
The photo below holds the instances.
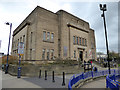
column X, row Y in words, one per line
column 74, row 53
column 48, row 54
column 30, row 54
column 52, row 54
column 43, row 54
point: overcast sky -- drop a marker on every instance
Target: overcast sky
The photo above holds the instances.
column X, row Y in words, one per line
column 15, row 11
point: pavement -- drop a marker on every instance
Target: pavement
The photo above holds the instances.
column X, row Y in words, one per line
column 9, row 81
column 97, row 83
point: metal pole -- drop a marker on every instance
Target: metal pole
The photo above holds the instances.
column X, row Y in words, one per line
column 19, row 68
column 45, row 74
column 63, row 83
column 106, row 42
column 6, row 71
column 40, row 74
column 19, row 59
column 53, row 80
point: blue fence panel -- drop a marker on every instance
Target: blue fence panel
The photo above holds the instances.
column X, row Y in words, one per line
column 87, row 75
column 110, row 82
column 117, row 77
column 97, row 74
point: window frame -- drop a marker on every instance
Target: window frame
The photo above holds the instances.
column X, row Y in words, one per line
column 74, row 53
column 44, row 35
column 48, row 36
column 83, row 41
column 31, row 37
column 43, row 54
column 52, row 53
column 79, row 40
column 48, row 54
column 52, row 37
column 73, row 39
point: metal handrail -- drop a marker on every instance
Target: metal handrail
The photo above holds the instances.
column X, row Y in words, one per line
column 91, row 74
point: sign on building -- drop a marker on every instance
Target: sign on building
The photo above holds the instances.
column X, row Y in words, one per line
column 21, row 48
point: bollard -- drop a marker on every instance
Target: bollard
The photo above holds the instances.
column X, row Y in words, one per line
column 53, row 80
column 63, row 83
column 40, row 74
column 45, row 74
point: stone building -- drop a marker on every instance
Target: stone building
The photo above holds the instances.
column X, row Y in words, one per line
column 47, row 36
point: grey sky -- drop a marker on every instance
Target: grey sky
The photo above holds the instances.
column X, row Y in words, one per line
column 16, row 11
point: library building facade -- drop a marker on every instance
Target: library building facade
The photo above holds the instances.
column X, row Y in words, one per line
column 47, row 36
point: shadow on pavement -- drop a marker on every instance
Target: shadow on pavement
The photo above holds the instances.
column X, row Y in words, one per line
column 48, row 83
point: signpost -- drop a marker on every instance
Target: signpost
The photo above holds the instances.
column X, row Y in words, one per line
column 20, row 53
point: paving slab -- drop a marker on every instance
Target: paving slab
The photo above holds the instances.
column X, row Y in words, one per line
column 97, row 83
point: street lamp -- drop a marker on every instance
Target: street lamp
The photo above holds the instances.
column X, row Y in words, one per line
column 7, row 23
column 103, row 8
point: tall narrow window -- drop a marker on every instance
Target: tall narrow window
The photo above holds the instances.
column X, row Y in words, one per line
column 20, row 39
column 18, row 43
column 85, row 42
column 23, row 38
column 15, row 44
column 30, row 54
column 31, row 36
column 43, row 54
column 77, row 40
column 48, row 54
column 80, row 40
column 73, row 39
column 48, row 36
column 74, row 53
column 44, row 35
column 52, row 37
column 52, row 54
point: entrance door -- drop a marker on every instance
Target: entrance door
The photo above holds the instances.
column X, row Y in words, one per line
column 81, row 55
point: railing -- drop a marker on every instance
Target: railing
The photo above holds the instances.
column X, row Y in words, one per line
column 112, row 83
column 91, row 74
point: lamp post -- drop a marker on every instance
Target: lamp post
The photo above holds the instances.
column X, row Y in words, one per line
column 103, row 8
column 7, row 23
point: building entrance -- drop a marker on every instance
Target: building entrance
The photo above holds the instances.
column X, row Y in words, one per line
column 81, row 55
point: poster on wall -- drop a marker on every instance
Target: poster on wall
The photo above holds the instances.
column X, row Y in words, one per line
column 65, row 51
column 90, row 53
column 21, row 48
